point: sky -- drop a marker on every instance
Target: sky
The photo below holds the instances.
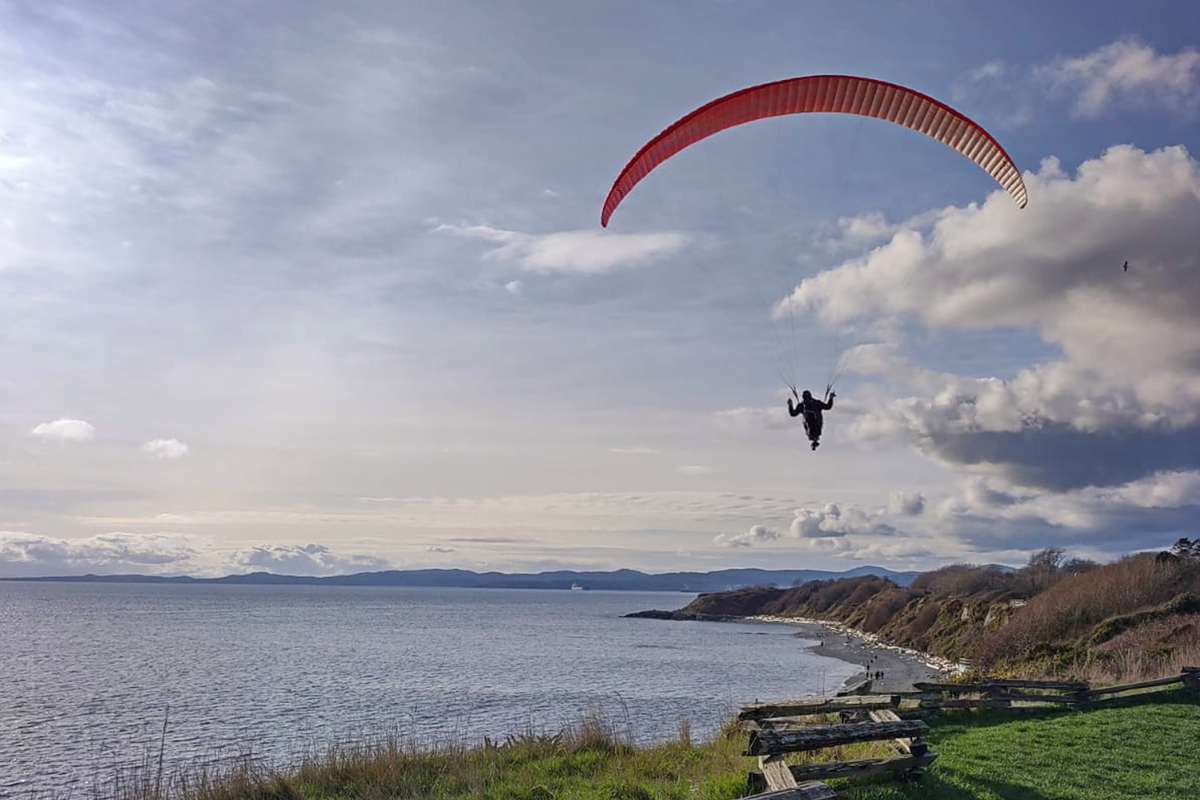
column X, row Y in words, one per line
column 319, row 288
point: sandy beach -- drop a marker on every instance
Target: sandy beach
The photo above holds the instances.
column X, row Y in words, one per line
column 900, row 667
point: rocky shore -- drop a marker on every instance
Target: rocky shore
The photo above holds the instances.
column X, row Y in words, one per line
column 892, row 668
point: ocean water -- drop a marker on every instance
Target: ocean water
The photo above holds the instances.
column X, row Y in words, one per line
column 91, row 675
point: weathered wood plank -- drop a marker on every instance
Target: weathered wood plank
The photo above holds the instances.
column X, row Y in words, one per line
column 1068, row 699
column 813, row 790
column 908, row 747
column 871, row 766
column 1126, row 687
column 791, row 741
column 966, row 702
column 776, row 773
column 797, row 708
column 1066, row 686
column 992, row 685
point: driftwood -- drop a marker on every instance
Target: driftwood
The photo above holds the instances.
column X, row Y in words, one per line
column 799, row 708
column 792, row 741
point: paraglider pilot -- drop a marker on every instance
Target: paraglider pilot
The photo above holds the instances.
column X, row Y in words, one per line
column 811, row 408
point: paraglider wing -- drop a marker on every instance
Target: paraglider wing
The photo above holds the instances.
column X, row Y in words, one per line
column 839, row 94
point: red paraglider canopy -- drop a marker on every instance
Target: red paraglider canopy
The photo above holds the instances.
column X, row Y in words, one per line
column 839, row 94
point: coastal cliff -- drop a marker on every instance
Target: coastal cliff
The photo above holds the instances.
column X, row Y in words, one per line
column 1136, row 617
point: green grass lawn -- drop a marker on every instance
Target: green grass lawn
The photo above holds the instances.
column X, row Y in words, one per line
column 1149, row 750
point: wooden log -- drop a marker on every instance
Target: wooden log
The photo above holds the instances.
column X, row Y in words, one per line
column 798, row 708
column 776, row 773
column 814, row 790
column 967, row 702
column 1066, row 686
column 992, row 685
column 773, row 742
column 1126, row 687
column 1035, row 698
column 951, row 688
column 871, row 766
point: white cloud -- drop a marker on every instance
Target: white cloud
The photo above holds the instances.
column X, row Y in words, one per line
column 1124, row 399
column 309, row 559
column 990, row 514
column 166, row 448
column 65, row 430
column 514, row 287
column 906, row 504
column 693, row 469
column 756, row 534
column 992, row 69
column 1127, row 71
column 834, row 521
column 115, row 552
column 572, row 251
column 633, row 451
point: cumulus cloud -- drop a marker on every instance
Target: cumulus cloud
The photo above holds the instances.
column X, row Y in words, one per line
column 572, row 251
column 514, row 287
column 988, row 514
column 757, row 534
column 165, row 448
column 906, row 504
column 24, row 554
column 834, row 521
column 309, row 559
column 1127, row 71
column 1126, row 74
column 1123, row 401
column 65, row 430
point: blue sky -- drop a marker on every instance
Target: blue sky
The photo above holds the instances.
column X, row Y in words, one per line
column 315, row 288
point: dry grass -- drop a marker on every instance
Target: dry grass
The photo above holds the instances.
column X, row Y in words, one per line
column 1071, row 608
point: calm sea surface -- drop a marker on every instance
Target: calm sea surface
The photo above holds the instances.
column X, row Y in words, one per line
column 90, row 672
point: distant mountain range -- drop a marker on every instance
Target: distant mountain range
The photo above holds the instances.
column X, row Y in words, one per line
column 622, row 579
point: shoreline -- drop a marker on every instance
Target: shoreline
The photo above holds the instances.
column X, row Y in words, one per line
column 900, row 667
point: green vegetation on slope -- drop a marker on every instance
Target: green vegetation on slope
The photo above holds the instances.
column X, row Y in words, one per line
column 1144, row 750
column 1138, row 617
